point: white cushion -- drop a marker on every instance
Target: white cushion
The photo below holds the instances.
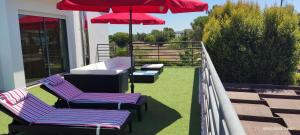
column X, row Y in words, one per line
column 109, row 67
column 97, row 72
column 153, row 65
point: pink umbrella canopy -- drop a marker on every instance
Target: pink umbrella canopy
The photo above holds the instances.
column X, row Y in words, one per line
column 123, row 18
column 137, row 6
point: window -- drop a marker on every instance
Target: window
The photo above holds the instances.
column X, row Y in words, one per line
column 44, row 46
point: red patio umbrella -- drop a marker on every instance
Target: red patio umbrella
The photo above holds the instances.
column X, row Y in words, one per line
column 129, row 18
column 137, row 6
column 123, row 18
column 134, row 6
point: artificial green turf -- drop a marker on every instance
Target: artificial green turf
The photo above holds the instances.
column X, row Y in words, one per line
column 173, row 108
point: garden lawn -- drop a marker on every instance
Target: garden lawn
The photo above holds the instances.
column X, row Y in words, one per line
column 173, row 104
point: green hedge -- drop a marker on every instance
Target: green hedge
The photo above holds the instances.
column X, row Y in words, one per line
column 248, row 45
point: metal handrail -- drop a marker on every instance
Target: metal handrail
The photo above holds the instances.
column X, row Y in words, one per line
column 218, row 114
column 159, row 52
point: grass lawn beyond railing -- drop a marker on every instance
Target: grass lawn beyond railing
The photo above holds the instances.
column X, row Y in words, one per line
column 173, row 106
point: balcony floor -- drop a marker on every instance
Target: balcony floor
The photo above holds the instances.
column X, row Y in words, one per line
column 173, row 106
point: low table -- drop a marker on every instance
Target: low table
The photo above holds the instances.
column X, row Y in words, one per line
column 145, row 76
column 155, row 67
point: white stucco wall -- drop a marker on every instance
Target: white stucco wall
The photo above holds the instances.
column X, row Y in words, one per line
column 11, row 59
column 98, row 34
column 6, row 62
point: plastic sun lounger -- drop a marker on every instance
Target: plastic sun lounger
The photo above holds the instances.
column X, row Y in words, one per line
column 31, row 115
column 70, row 96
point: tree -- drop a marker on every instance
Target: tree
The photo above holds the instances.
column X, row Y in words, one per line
column 134, row 37
column 159, row 36
column 299, row 18
column 156, row 34
column 150, row 38
column 168, row 33
column 110, row 38
column 187, row 35
column 140, row 36
column 121, row 39
column 198, row 27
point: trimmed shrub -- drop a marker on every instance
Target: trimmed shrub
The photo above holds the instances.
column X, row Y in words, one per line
column 279, row 53
column 250, row 46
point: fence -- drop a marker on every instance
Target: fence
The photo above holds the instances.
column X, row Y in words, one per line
column 104, row 51
column 217, row 113
column 186, row 53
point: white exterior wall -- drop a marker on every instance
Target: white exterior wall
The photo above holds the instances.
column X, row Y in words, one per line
column 98, row 34
column 6, row 62
column 11, row 60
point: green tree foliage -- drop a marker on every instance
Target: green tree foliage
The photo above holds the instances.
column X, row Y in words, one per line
column 198, row 27
column 150, row 38
column 299, row 19
column 281, row 41
column 158, row 35
column 121, row 39
column 168, row 33
column 297, row 78
column 140, row 37
column 165, row 35
column 186, row 57
column 110, row 38
column 250, row 46
column 121, row 51
column 187, row 35
column 175, row 43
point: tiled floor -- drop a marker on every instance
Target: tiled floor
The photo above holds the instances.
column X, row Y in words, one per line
column 253, row 109
column 266, row 111
column 264, row 128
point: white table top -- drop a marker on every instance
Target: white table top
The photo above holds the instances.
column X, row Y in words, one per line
column 153, row 65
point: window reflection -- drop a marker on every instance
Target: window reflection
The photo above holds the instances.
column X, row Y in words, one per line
column 44, row 46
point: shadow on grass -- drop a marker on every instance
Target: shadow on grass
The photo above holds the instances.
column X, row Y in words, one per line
column 158, row 117
column 195, row 115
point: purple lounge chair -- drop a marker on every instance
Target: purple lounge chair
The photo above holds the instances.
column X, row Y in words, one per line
column 72, row 97
column 34, row 116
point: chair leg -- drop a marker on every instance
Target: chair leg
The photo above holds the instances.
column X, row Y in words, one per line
column 130, row 126
column 139, row 114
column 146, row 106
column 10, row 130
column 10, row 133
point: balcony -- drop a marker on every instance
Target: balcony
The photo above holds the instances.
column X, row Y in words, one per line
column 189, row 98
column 173, row 109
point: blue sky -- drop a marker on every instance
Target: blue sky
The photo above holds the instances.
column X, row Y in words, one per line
column 182, row 21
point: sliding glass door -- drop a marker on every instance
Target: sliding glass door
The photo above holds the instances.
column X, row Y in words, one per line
column 44, row 46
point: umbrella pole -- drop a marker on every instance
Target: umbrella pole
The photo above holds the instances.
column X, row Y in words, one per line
column 131, row 52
